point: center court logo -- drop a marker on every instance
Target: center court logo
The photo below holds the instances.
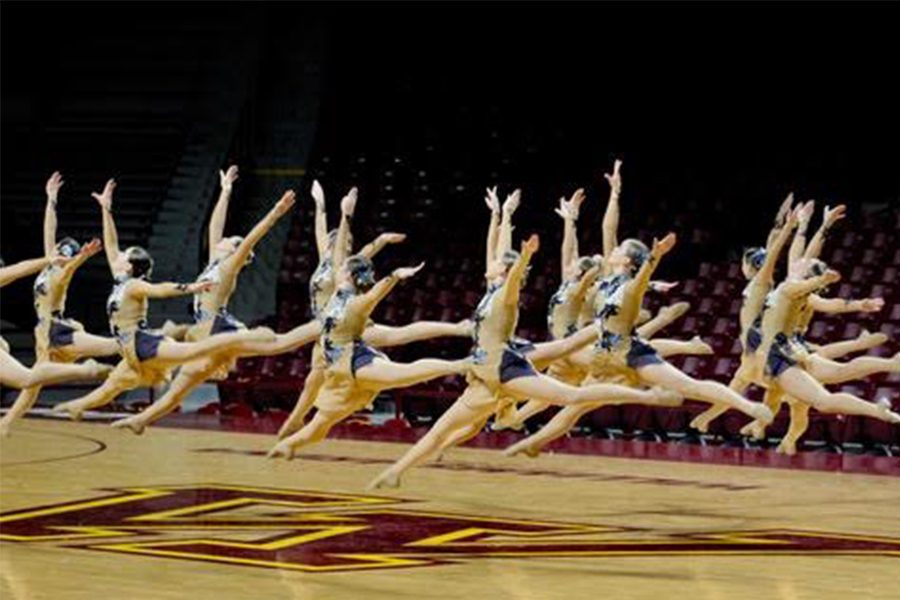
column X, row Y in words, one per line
column 316, row 531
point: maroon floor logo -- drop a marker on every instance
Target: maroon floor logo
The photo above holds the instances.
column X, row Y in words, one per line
column 316, row 531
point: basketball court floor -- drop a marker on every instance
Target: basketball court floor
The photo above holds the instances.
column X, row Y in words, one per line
column 91, row 512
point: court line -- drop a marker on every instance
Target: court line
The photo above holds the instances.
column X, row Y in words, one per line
column 98, row 448
column 479, row 468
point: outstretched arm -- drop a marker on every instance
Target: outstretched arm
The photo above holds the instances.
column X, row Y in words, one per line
column 586, row 281
column 144, row 289
column 341, row 242
column 840, row 305
column 87, row 251
column 493, row 235
column 220, row 212
column 611, row 216
column 513, row 284
column 783, row 211
column 776, row 245
column 378, row 244
column 321, row 224
column 660, row 248
column 53, row 184
column 569, row 210
column 829, row 217
column 803, row 287
column 22, row 269
column 110, row 236
column 504, row 244
column 262, row 228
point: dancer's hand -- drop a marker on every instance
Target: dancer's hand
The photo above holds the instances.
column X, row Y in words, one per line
column 512, row 202
column 227, row 178
column 391, row 238
column 663, row 286
column 407, row 272
column 53, row 184
column 105, row 198
column 871, row 304
column 532, row 244
column 831, row 276
column 615, row 179
column 784, row 210
column 663, row 246
column 830, row 216
column 91, row 248
column 492, row 200
column 285, row 203
column 348, row 202
column 318, row 195
column 806, row 212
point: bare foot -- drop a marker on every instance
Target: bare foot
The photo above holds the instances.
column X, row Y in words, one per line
column 131, row 423
column 506, row 419
column 74, row 411
column 699, row 347
column 876, row 339
column 388, row 479
column 787, row 448
column 521, row 448
column 700, row 423
column 281, row 450
column 675, row 311
column 762, row 414
column 885, row 407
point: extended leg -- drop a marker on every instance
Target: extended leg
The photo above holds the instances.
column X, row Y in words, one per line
column 865, row 341
column 828, row 371
column 798, row 426
column 294, row 422
column 383, row 336
column 561, row 423
column 804, row 387
column 383, row 374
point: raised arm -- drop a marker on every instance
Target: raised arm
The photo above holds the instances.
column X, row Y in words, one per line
column 321, row 223
column 145, row 289
column 378, row 244
column 87, row 251
column 783, row 211
column 841, row 305
column 110, row 236
column 504, row 243
column 569, row 210
column 611, row 216
column 660, row 248
column 776, row 245
column 249, row 242
column 22, row 269
column 830, row 216
column 382, row 288
column 493, row 235
column 586, row 281
column 220, row 212
column 798, row 245
column 513, row 284
column 53, row 184
column 341, row 242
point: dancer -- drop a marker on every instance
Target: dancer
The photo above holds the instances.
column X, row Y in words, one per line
column 333, row 248
column 502, row 372
column 148, row 357
column 227, row 258
column 355, row 372
column 57, row 338
column 15, row 374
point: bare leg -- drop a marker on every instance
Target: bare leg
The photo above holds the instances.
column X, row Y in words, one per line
column 799, row 424
column 182, row 352
column 474, row 406
column 14, row 374
column 294, row 422
column 828, row 371
column 24, row 401
column 772, row 399
column 542, row 387
column 460, row 437
column 190, row 376
column 666, row 347
column 739, row 384
column 284, row 342
column 531, row 408
column 383, row 374
column 865, row 341
column 804, row 387
column 314, row 431
column 383, row 336
column 88, row 344
column 121, row 380
column 561, row 423
column 668, row 376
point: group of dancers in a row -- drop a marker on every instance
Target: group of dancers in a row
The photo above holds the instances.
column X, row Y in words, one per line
column 603, row 347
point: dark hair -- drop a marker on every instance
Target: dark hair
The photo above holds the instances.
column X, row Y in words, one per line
column 141, row 262
column 637, row 251
column 755, row 256
column 509, row 258
column 68, row 247
column 816, row 268
column 585, row 264
column 362, row 273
